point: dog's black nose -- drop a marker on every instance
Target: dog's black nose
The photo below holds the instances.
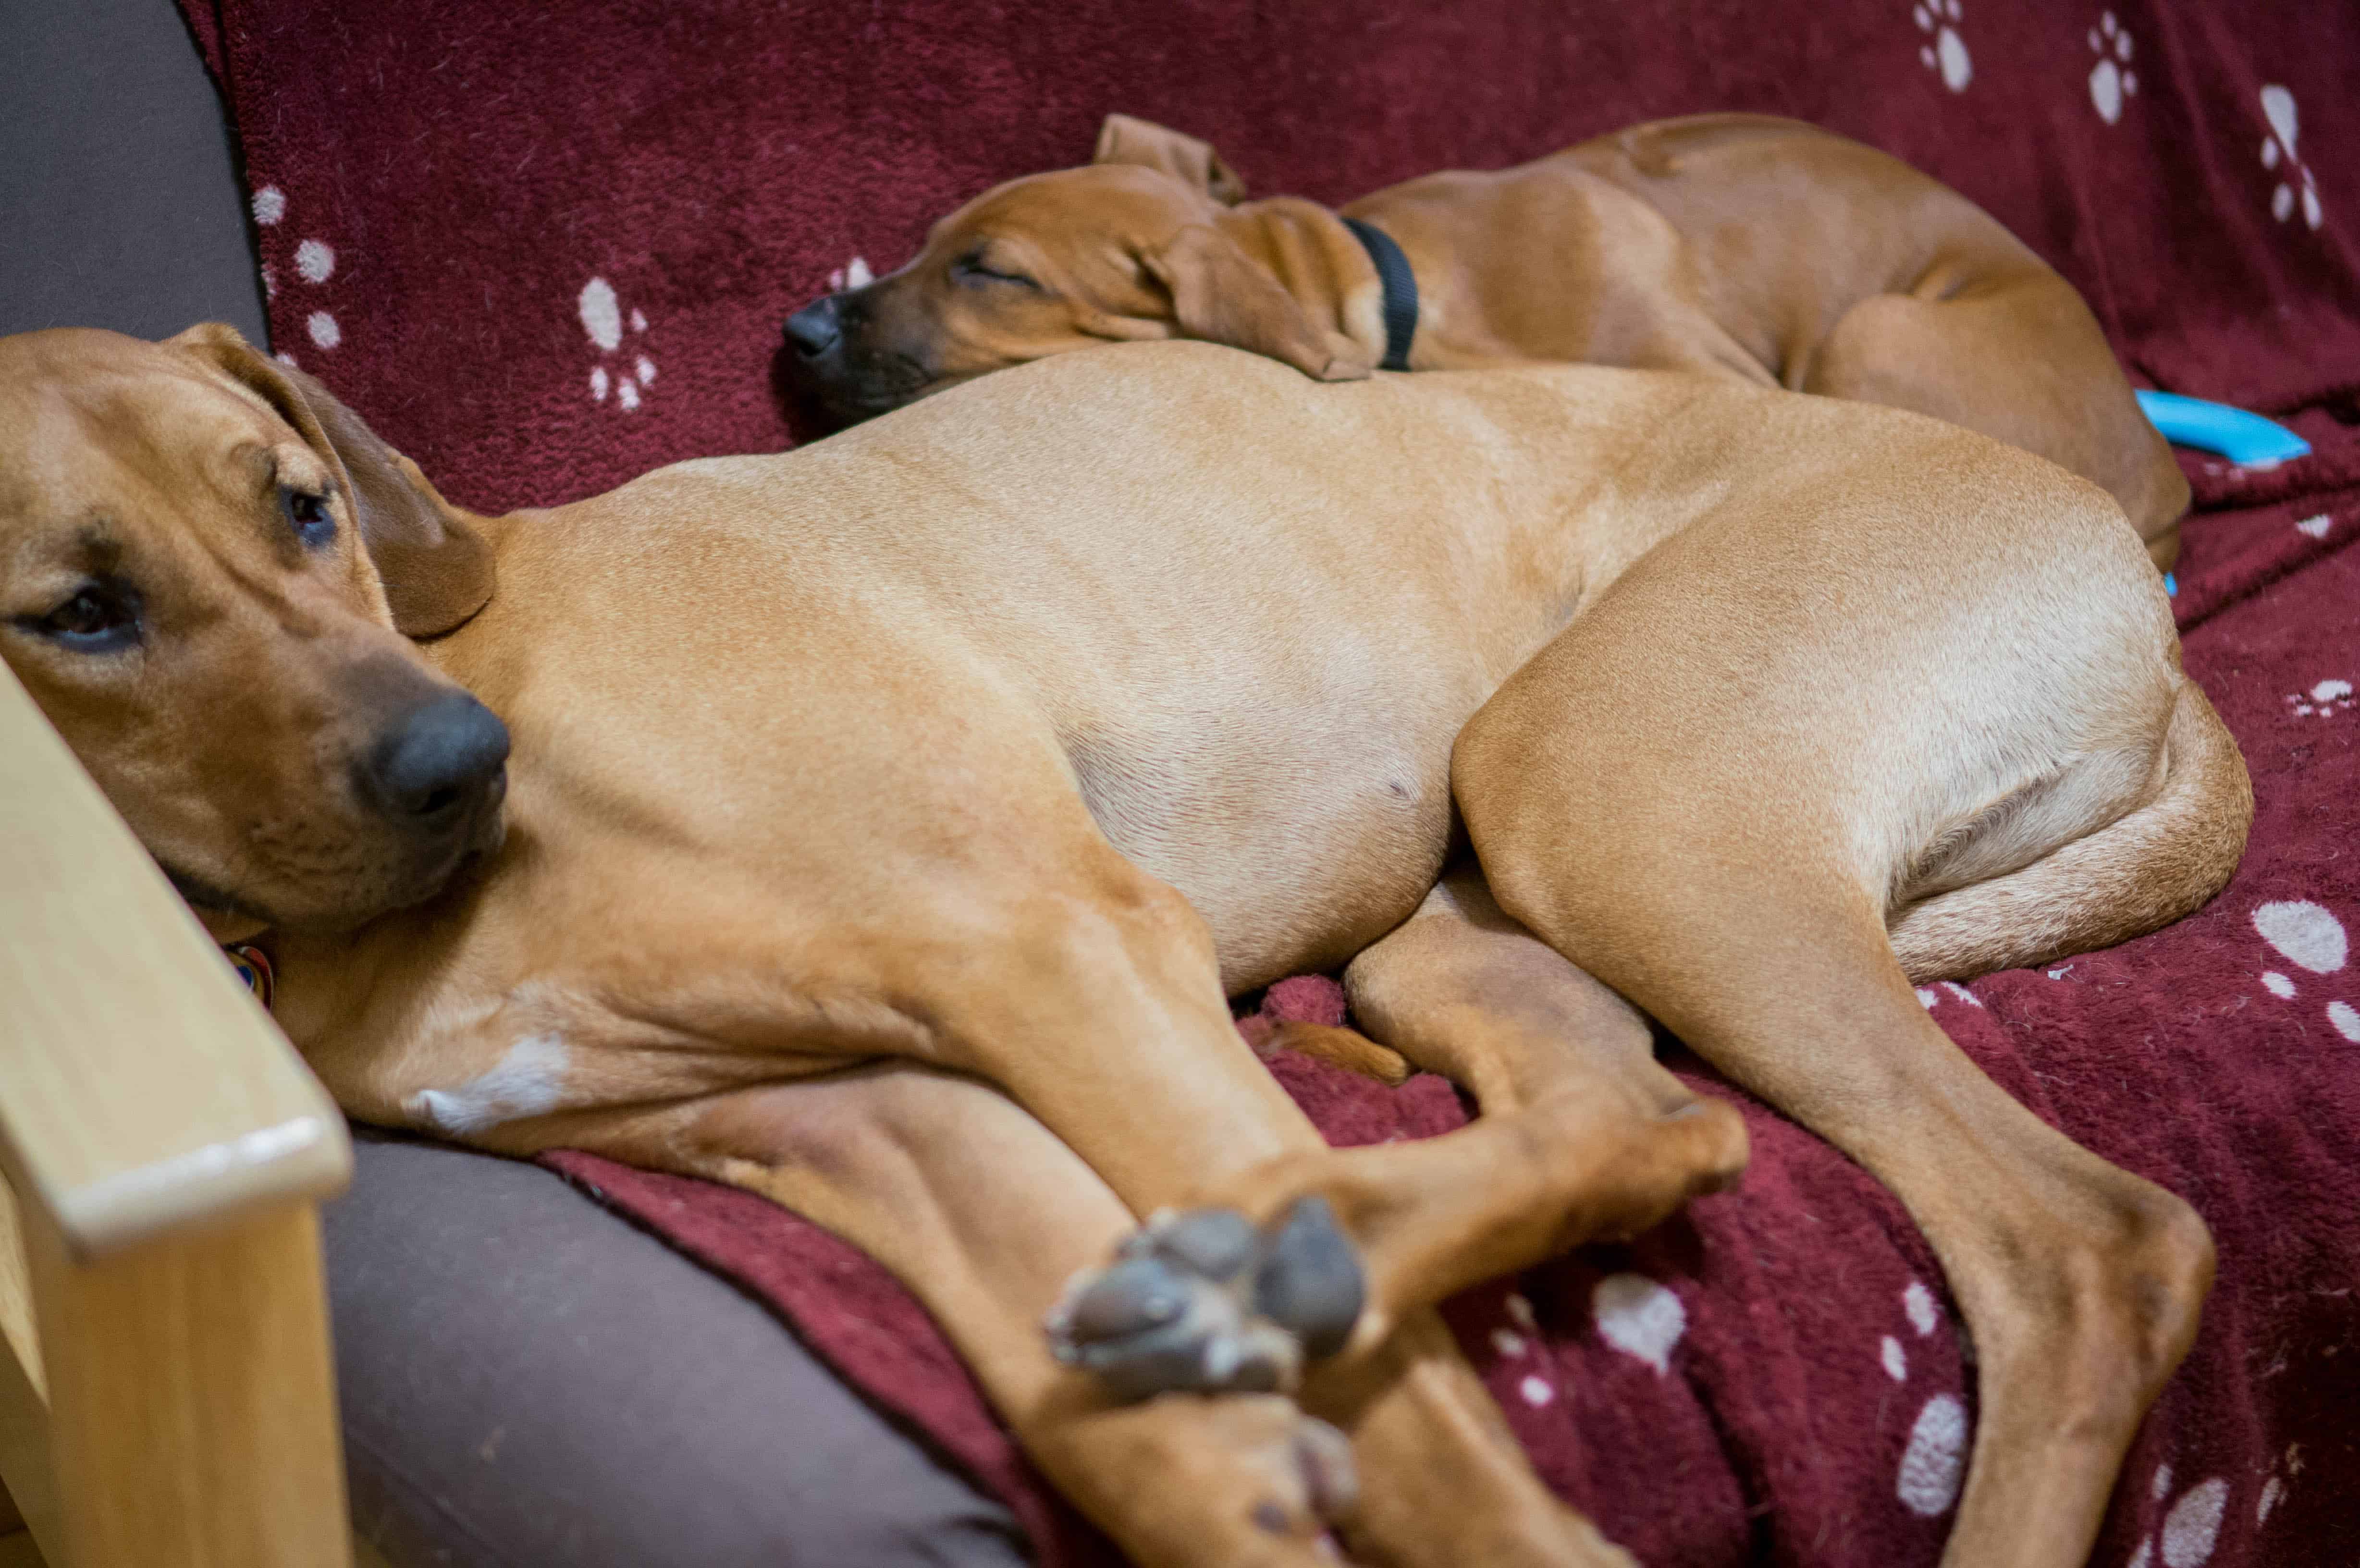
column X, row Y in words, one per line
column 813, row 331
column 438, row 763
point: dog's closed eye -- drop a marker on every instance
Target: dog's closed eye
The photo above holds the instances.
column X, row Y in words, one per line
column 308, row 514
column 976, row 267
column 101, row 617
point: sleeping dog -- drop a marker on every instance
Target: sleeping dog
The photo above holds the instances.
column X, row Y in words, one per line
column 1759, row 249
column 881, row 826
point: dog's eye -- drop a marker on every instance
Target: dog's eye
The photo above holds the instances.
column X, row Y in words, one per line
column 969, row 269
column 308, row 515
column 98, row 619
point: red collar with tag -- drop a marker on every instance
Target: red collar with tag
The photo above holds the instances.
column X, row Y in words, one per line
column 253, row 966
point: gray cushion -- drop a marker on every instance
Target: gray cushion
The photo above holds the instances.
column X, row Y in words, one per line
column 122, row 208
column 529, row 1380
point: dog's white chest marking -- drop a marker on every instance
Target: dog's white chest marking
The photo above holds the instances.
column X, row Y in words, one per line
column 528, row 1082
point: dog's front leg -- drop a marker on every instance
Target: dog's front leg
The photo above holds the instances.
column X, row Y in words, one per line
column 1111, row 1027
column 984, row 1214
column 1120, row 1041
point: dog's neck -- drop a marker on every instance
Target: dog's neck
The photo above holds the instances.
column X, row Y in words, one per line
column 226, row 927
column 1318, row 261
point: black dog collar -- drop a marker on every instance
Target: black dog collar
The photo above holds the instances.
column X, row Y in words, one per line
column 1400, row 286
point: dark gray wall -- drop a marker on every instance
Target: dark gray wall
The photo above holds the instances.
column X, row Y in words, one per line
column 118, row 204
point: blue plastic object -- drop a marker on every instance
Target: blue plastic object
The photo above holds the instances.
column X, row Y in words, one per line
column 2246, row 440
column 2172, row 584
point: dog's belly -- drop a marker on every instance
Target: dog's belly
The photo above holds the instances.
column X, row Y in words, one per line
column 1301, row 838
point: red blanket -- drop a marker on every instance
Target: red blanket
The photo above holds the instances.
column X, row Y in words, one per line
column 547, row 249
column 1787, row 1353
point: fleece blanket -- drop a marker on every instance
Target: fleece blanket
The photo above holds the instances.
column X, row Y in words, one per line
column 545, row 249
column 1778, row 1376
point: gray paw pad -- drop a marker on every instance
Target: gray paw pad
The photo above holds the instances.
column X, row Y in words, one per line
column 1309, row 1282
column 1203, row 1302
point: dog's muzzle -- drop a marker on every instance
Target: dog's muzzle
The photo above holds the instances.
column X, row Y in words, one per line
column 834, row 363
column 438, row 770
column 817, row 328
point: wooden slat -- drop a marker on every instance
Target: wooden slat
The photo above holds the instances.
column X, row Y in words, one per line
column 25, row 1424
column 17, row 1295
column 192, row 1401
column 140, row 1087
column 25, row 1455
column 24, row 1396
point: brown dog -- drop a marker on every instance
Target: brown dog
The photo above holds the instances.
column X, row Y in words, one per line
column 1764, row 249
column 887, row 819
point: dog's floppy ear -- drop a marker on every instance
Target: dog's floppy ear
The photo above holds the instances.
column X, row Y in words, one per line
column 1125, row 140
column 1220, row 296
column 437, row 571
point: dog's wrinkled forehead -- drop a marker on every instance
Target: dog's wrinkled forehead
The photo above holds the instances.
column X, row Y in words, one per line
column 140, row 469
column 90, row 423
column 186, row 593
column 1106, row 199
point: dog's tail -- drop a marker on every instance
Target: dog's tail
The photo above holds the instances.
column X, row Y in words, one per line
column 2142, row 871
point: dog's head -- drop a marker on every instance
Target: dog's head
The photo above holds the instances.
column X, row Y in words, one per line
column 1132, row 245
column 210, row 570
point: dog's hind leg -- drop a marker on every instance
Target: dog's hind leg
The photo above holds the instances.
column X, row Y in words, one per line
column 2020, row 359
column 1708, row 885
column 1606, row 1142
column 2135, row 875
column 1462, row 990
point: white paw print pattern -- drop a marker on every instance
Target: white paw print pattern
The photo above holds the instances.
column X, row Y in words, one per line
column 1639, row 1317
column 1944, row 51
column 853, row 274
column 2327, row 699
column 1934, row 1461
column 602, row 319
column 2295, row 187
column 2191, row 1526
column 2274, row 1489
column 1634, row 1314
column 2309, row 937
column 2315, row 528
column 315, row 263
column 1514, row 1343
column 2112, row 78
column 1929, row 998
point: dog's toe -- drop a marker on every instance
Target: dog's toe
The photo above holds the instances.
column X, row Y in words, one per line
column 1315, row 1491
column 1309, row 1280
column 1147, row 1324
column 1203, row 1302
column 1215, row 1243
column 1325, row 1454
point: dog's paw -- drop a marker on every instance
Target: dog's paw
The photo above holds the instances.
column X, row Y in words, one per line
column 1205, row 1302
column 1245, row 1481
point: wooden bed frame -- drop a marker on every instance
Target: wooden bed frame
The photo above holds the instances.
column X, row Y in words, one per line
column 169, row 1396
